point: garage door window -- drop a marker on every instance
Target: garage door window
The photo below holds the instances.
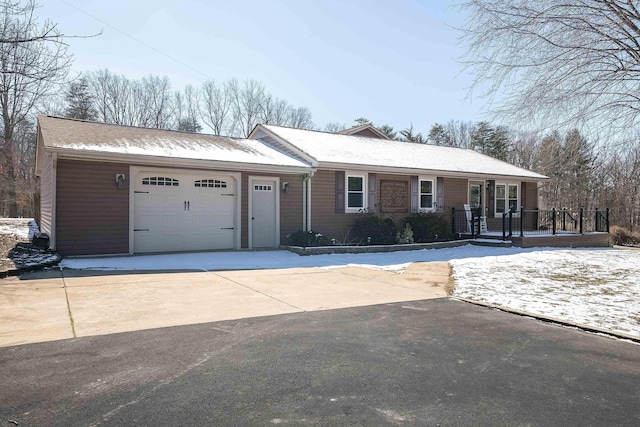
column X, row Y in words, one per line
column 160, row 180
column 262, row 188
column 210, row 183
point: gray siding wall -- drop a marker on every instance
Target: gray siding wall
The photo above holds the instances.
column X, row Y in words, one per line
column 92, row 212
column 456, row 192
column 47, row 183
column 531, row 195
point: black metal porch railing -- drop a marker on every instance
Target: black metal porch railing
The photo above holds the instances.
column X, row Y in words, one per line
column 554, row 221
column 462, row 225
column 531, row 222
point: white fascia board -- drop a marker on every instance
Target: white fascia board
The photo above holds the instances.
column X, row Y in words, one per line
column 410, row 171
column 260, row 131
column 178, row 163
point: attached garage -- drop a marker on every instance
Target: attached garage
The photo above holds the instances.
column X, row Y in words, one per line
column 182, row 210
column 109, row 189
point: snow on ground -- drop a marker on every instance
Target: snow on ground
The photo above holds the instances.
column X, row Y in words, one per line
column 599, row 288
column 241, row 260
column 20, row 227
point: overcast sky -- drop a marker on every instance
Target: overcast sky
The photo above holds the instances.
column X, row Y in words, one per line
column 391, row 61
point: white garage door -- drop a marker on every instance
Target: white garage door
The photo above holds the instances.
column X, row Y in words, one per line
column 183, row 211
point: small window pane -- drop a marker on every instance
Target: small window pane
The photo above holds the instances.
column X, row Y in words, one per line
column 355, row 183
column 500, row 191
column 513, row 205
column 426, row 187
column 426, row 201
column 500, row 206
column 355, row 200
column 513, row 191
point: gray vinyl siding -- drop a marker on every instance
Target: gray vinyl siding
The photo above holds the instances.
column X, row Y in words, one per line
column 47, row 182
column 92, row 215
column 456, row 193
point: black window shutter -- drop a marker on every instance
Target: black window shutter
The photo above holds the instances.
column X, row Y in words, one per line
column 339, row 192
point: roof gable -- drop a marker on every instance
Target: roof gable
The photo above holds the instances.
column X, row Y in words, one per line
column 367, row 130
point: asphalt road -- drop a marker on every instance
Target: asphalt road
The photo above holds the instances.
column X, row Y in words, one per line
column 430, row 363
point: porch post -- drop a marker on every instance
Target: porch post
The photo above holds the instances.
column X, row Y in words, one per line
column 510, row 222
column 521, row 221
column 607, row 219
column 453, row 221
column 504, row 226
column 597, row 220
column 553, row 220
column 581, row 215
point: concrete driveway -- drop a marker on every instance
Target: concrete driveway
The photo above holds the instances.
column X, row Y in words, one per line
column 59, row 304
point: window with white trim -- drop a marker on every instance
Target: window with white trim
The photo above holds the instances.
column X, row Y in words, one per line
column 356, row 193
column 427, row 194
column 507, row 198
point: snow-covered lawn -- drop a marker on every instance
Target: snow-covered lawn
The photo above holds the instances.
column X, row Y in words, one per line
column 598, row 288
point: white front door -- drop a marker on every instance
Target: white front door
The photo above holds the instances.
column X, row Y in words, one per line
column 179, row 210
column 264, row 213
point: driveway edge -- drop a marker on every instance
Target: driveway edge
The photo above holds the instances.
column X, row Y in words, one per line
column 554, row 320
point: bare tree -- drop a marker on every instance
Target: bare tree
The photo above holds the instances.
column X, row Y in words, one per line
column 216, row 106
column 33, row 62
column 334, row 127
column 557, row 62
column 300, row 118
column 247, row 101
column 187, row 109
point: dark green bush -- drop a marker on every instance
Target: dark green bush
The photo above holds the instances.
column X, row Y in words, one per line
column 429, row 227
column 307, row 238
column 374, row 230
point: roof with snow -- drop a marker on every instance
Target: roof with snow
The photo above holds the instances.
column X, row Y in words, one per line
column 73, row 136
column 329, row 149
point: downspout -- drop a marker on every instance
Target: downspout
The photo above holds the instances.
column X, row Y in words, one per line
column 306, row 201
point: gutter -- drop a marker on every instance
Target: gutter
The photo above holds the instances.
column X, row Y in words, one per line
column 141, row 159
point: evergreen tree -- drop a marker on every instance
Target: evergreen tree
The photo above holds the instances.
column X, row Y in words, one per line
column 80, row 101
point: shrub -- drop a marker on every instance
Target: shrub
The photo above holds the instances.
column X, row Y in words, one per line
column 623, row 237
column 405, row 237
column 307, row 238
column 374, row 230
column 429, row 227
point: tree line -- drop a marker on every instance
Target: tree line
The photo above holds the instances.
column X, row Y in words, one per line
column 229, row 107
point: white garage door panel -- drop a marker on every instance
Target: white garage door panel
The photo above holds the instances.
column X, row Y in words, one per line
column 189, row 211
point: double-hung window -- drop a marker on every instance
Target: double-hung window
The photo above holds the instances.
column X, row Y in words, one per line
column 427, row 193
column 506, row 198
column 356, row 189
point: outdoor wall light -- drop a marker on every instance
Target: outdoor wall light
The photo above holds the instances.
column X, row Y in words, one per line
column 285, row 187
column 120, row 180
